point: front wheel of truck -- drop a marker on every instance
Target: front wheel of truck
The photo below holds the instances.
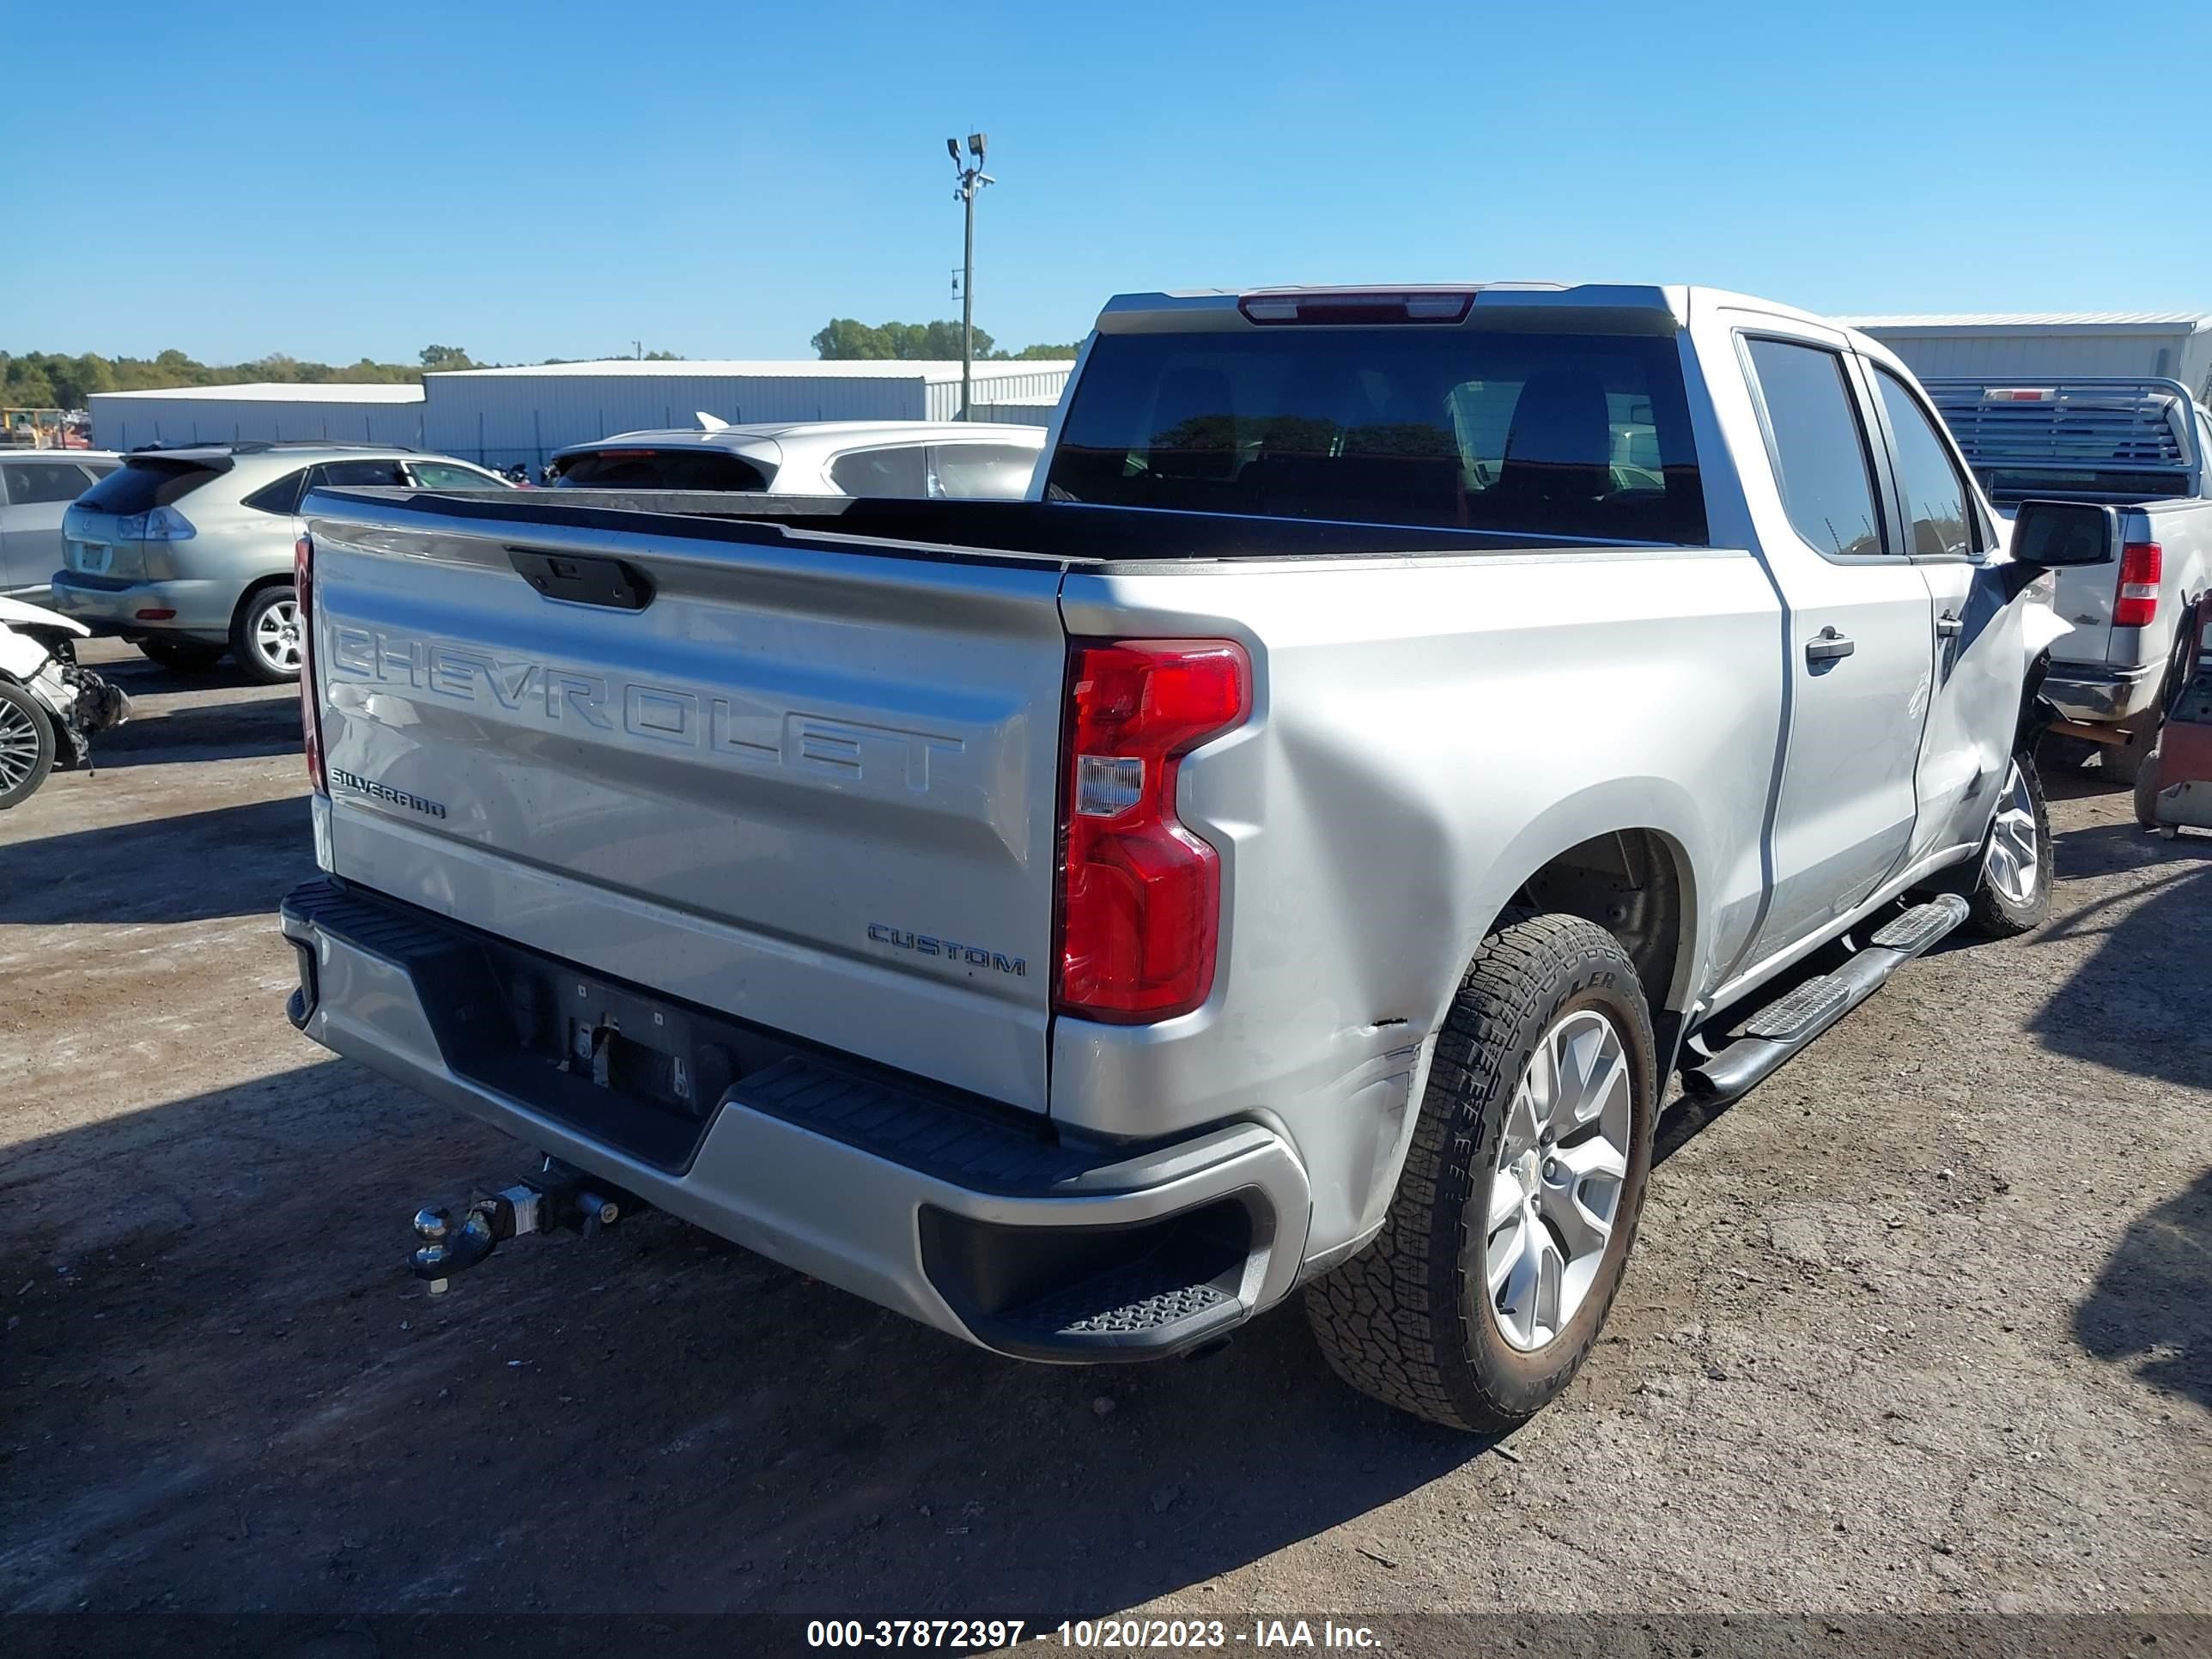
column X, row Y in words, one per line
column 1505, row 1243
column 2012, row 892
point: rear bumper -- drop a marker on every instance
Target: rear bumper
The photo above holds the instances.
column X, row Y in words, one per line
column 974, row 1219
column 109, row 605
column 2101, row 696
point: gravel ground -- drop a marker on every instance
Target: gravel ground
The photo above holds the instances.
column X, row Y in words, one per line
column 1921, row 1326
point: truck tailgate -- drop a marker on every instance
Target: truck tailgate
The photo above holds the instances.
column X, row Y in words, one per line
column 808, row 786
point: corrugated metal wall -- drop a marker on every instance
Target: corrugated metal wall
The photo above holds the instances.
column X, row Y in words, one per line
column 997, row 381
column 1017, row 414
column 500, row 419
column 121, row 422
column 1993, row 354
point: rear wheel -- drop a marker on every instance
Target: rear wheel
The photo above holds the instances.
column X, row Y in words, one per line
column 265, row 638
column 2147, row 784
column 2123, row 762
column 1506, row 1239
column 2012, row 893
column 181, row 656
column 26, row 745
column 2057, row 753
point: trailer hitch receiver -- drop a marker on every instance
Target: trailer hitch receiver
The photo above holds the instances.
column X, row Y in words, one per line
column 556, row 1196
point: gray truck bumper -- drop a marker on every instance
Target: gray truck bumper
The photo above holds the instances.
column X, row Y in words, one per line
column 964, row 1217
column 2098, row 696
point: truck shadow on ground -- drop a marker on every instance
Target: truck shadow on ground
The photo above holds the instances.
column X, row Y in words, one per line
column 226, row 1395
column 2149, row 1305
column 235, row 730
column 221, row 714
column 226, row 861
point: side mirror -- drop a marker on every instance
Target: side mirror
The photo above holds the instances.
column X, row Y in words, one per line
column 2053, row 535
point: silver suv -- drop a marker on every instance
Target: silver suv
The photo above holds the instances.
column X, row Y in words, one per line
column 187, row 552
column 36, row 486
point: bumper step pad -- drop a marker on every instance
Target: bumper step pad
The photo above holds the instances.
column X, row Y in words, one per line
column 1136, row 1300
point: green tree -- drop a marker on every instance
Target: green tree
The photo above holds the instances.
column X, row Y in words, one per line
column 848, row 340
column 438, row 358
column 1038, row 353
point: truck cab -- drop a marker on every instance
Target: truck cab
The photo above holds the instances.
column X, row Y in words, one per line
column 1406, row 727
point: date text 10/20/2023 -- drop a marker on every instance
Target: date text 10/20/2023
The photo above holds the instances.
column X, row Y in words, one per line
column 1087, row 1633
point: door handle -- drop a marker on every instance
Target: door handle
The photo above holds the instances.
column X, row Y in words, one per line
column 1949, row 627
column 1829, row 646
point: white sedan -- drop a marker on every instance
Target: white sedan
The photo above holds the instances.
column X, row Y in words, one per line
column 913, row 460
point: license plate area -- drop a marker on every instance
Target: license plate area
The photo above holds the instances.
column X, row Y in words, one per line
column 91, row 558
column 637, row 1071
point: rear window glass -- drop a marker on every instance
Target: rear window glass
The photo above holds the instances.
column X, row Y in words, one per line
column 902, row 472
column 344, row 474
column 283, row 497
column 659, row 469
column 143, row 484
column 1553, row 435
column 983, row 471
column 2011, row 485
column 31, row 483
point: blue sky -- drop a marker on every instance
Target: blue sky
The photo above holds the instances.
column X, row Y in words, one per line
column 558, row 180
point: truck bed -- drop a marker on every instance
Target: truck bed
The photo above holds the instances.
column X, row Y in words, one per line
column 1058, row 534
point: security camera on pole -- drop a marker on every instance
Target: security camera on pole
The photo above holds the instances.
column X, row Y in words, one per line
column 971, row 176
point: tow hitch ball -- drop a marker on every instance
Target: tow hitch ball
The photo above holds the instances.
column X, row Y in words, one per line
column 556, row 1196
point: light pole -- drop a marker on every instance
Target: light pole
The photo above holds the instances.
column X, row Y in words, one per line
column 972, row 178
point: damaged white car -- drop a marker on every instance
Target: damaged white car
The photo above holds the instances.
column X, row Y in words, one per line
column 51, row 705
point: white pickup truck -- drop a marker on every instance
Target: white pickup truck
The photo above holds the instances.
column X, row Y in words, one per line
column 2144, row 448
column 1295, row 848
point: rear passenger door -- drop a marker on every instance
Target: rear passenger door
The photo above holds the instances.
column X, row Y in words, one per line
column 1857, row 630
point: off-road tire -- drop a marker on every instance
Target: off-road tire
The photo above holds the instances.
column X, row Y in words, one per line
column 1407, row 1320
column 181, row 656
column 1989, row 913
column 28, row 718
column 2147, row 784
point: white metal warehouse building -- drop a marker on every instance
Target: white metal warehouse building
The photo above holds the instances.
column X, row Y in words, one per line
column 229, row 414
column 2174, row 345
column 502, row 416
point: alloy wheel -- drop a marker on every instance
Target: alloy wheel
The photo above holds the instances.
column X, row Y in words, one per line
column 2012, row 863
column 19, row 745
column 276, row 636
column 1555, row 1190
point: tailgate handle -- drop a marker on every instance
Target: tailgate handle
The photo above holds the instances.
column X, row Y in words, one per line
column 580, row 580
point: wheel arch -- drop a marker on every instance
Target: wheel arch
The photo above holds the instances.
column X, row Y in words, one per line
column 259, row 585
column 1628, row 856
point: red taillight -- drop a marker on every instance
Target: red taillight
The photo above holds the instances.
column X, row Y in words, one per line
column 2141, row 563
column 155, row 615
column 1140, row 895
column 311, row 714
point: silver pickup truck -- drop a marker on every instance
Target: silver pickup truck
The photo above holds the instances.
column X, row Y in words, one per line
column 2145, row 447
column 1294, row 849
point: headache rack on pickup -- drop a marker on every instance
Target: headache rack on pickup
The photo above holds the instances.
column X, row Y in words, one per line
column 2090, row 439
